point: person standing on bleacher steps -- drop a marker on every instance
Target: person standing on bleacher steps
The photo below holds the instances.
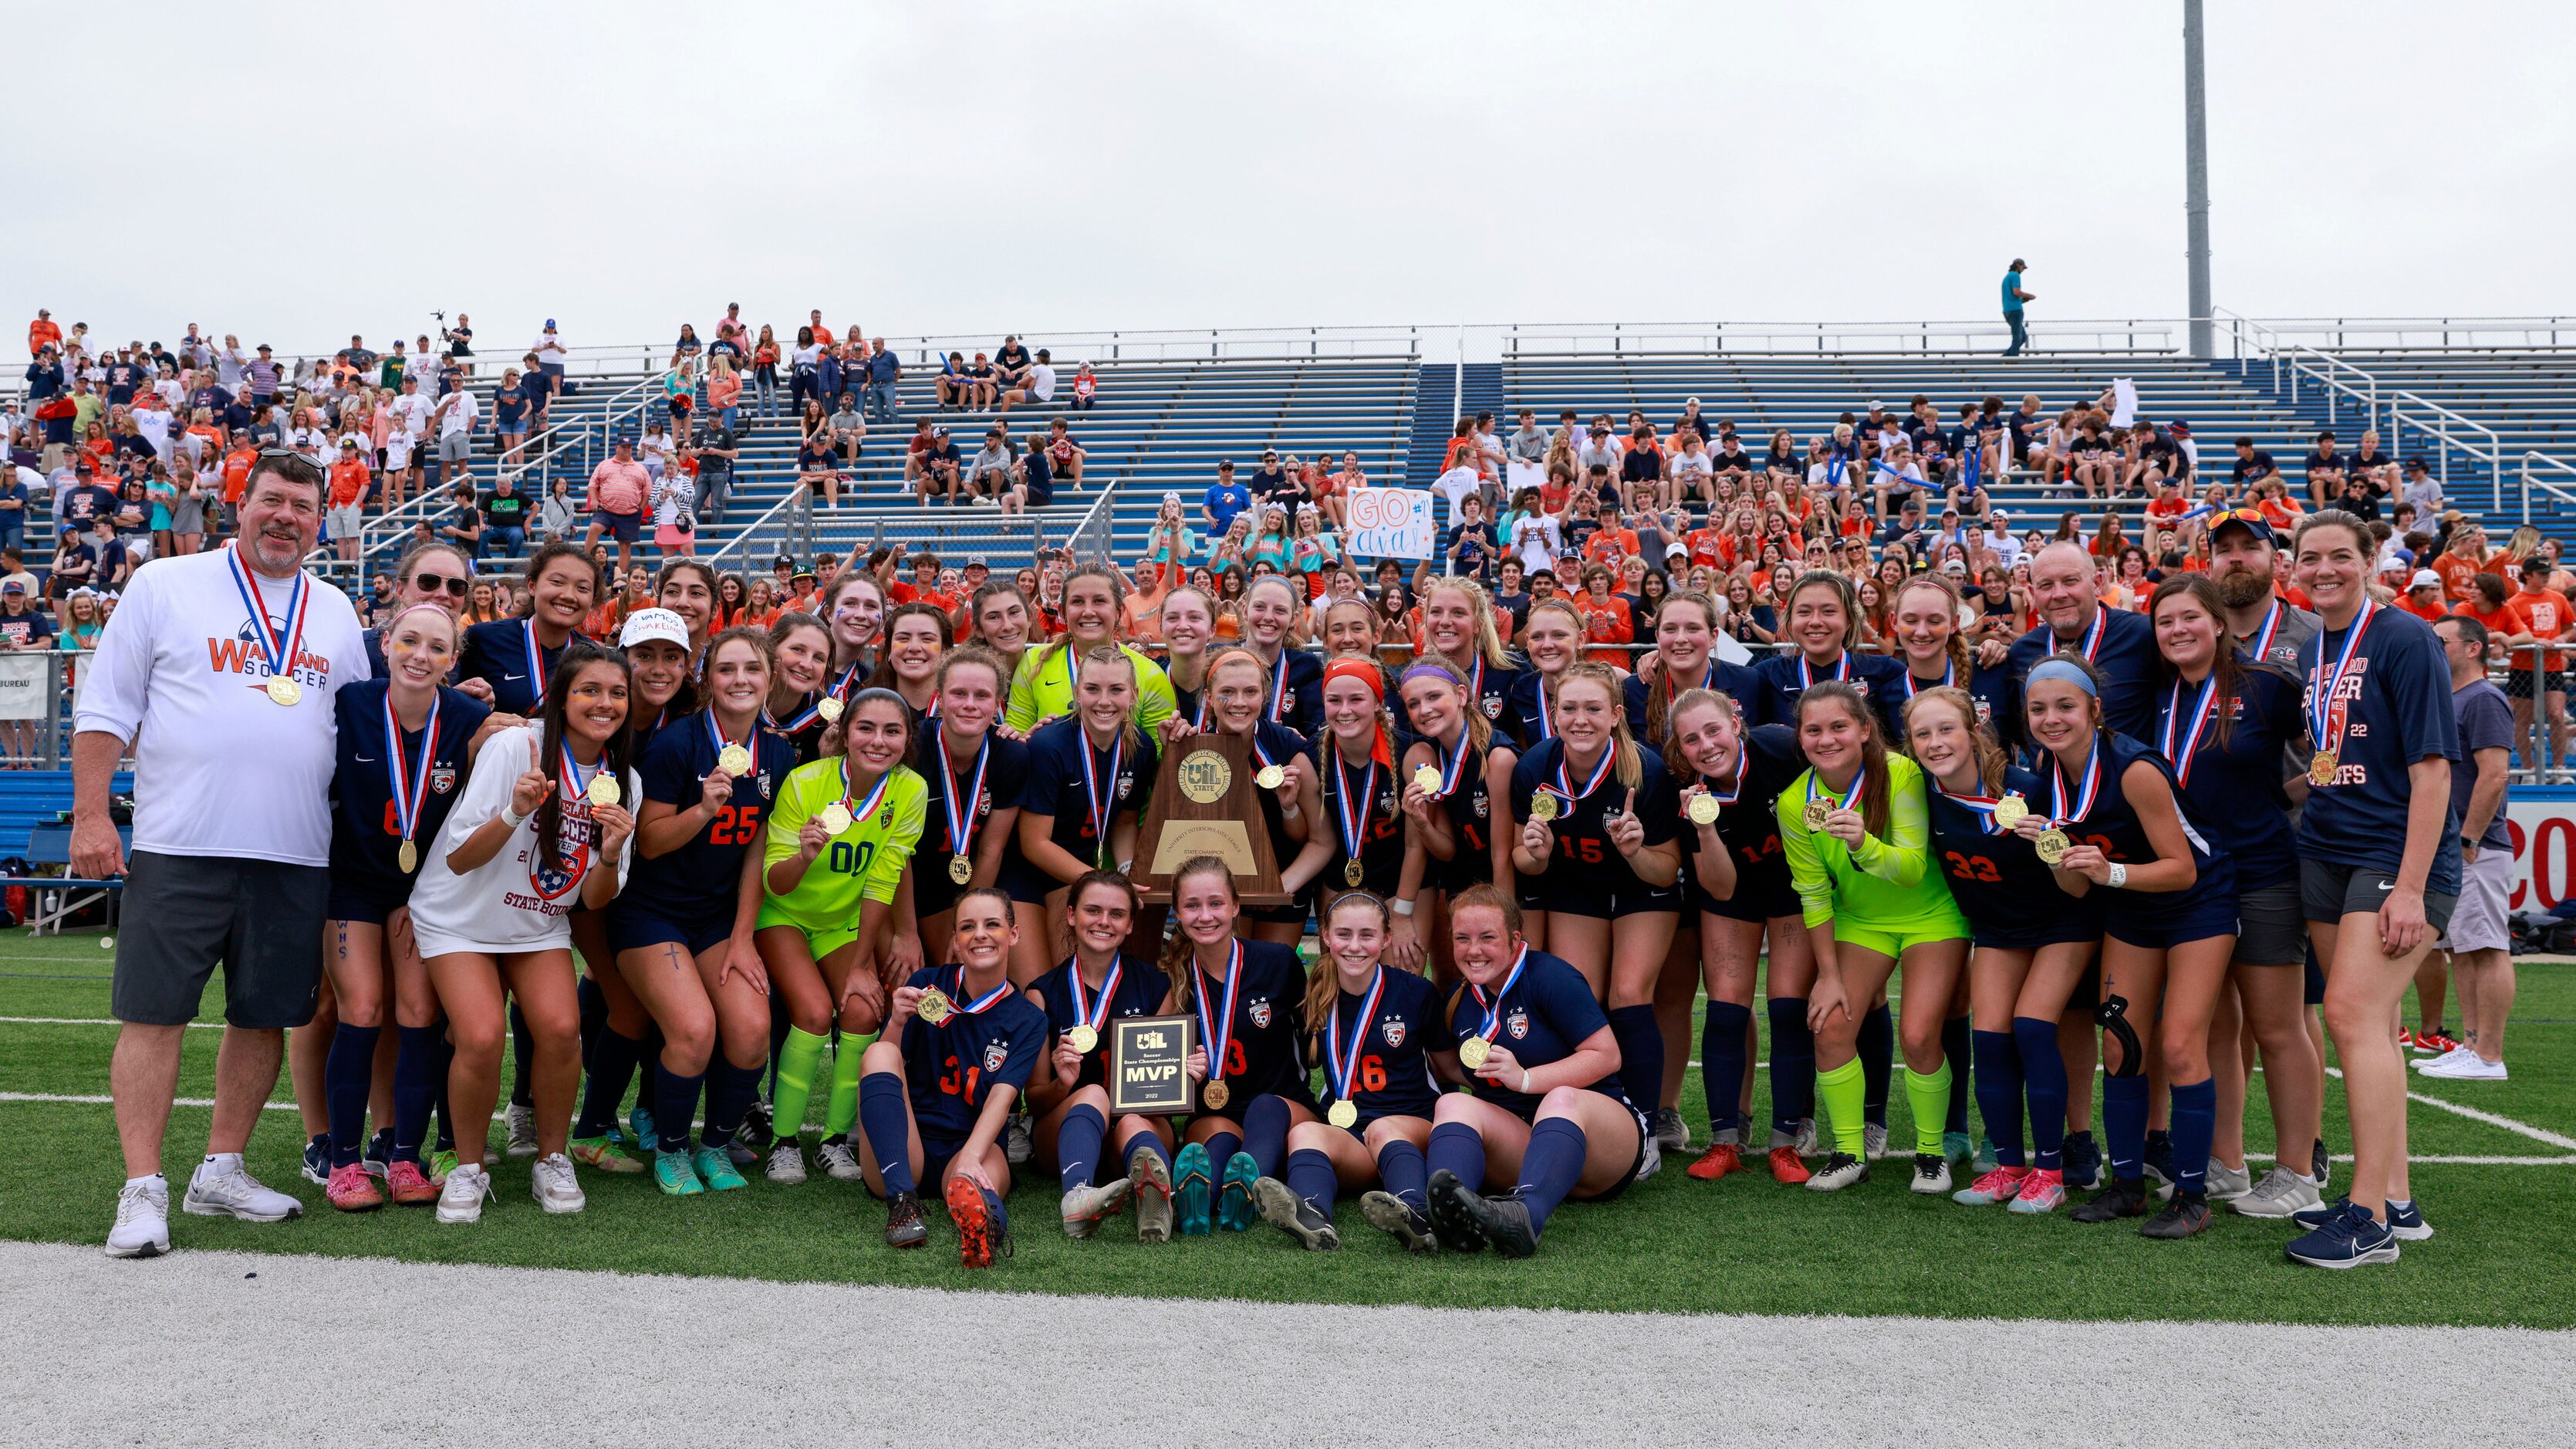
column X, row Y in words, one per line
column 2014, row 296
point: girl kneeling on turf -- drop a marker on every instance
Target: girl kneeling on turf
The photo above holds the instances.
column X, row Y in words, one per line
column 935, row 1105
column 543, row 826
column 1543, row 1103
column 1247, row 1068
column 1070, row 1096
column 1380, row 1033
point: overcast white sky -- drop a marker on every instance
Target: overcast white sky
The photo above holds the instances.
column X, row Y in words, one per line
column 294, row 173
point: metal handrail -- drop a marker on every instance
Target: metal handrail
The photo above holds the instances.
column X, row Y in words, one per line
column 2494, row 453
column 2565, row 495
column 791, row 515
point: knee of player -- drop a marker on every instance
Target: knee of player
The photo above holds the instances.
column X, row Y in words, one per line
column 1308, row 1135
column 882, row 1056
column 1452, row 1107
column 1095, row 1096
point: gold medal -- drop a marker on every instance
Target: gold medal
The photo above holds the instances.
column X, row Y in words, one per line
column 1270, row 777
column 835, row 818
column 734, row 760
column 960, row 869
column 1351, row 873
column 1703, row 810
column 2051, row 847
column 408, row 857
column 603, row 789
column 1473, row 1051
column 828, row 708
column 1083, row 1039
column 2321, row 769
column 933, row 1006
column 282, row 690
column 1215, row 1096
column 1542, row 806
column 1427, row 779
column 1817, row 813
column 1343, row 1115
column 2010, row 811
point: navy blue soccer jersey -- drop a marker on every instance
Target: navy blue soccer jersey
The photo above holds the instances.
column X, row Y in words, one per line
column 2112, row 824
column 2236, row 787
column 1058, row 782
column 2391, row 708
column 1990, row 690
column 1299, row 702
column 1389, row 1058
column 1005, row 765
column 1735, row 680
column 366, row 841
column 1525, row 718
column 700, row 883
column 949, row 1069
column 2122, row 646
column 1470, row 808
column 500, row 654
column 1262, row 1050
column 1782, row 678
column 1137, row 991
column 1540, row 1018
column 2008, row 896
column 1374, row 791
column 1585, row 859
column 1748, row 825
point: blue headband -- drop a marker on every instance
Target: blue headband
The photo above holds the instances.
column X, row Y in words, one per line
column 2061, row 669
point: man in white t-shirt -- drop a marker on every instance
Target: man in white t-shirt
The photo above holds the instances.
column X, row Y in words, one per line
column 455, row 416
column 1036, row 385
column 1462, row 481
column 226, row 708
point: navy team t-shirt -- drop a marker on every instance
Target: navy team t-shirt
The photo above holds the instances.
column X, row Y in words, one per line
column 2391, row 709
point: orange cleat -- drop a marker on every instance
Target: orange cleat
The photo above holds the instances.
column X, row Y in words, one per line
column 1719, row 1160
column 1786, row 1166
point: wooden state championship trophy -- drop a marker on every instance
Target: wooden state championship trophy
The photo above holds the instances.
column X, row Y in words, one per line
column 1207, row 801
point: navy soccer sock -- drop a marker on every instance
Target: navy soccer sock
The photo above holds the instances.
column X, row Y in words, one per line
column 2195, row 1122
column 2043, row 1071
column 418, row 1057
column 347, row 1075
column 1955, row 1045
column 1551, row 1167
column 675, row 1106
column 1999, row 1089
column 1265, row 1135
column 1641, row 1054
column 1401, row 1168
column 730, row 1093
column 2124, row 1126
column 886, row 1119
column 612, row 1066
column 1877, row 1048
column 1793, row 1064
column 1311, row 1176
column 1456, row 1148
column 1077, row 1146
column 1721, row 1056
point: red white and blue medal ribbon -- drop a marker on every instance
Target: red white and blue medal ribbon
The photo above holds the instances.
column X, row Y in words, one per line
column 1807, row 675
column 2325, row 714
column 1352, row 815
column 812, row 711
column 540, row 670
column 1546, row 725
column 1103, row 804
column 1842, row 799
column 277, row 648
column 1453, row 764
column 1600, row 772
column 864, row 808
column 410, row 781
column 961, row 1006
column 715, row 733
column 1949, row 676
column 2202, row 711
column 1095, row 1012
column 1218, row 1033
column 2084, row 800
column 1345, row 1066
column 2271, row 626
column 1279, row 691
column 2093, row 635
column 576, row 780
column 1981, row 806
column 1494, row 1009
column 961, row 812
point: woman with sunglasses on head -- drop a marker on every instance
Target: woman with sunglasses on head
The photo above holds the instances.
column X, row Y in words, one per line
column 1069, row 1094
column 2109, row 818
column 1379, row 1033
column 1247, row 1072
column 516, row 657
column 542, row 825
column 1236, row 701
column 1046, row 685
column 841, row 831
column 430, row 573
column 1454, row 771
column 976, row 777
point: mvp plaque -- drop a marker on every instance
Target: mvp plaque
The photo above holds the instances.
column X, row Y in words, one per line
column 1149, row 1065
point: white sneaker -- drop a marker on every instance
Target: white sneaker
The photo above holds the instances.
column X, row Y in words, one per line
column 523, row 1130
column 787, row 1161
column 2420, row 1063
column 461, row 1200
column 142, row 1219
column 2465, row 1066
column 2280, row 1193
column 554, row 1185
column 219, row 1188
column 837, row 1159
column 2227, row 1184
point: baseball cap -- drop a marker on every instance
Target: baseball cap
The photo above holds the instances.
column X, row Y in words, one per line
column 977, row 562
column 550, row 322
column 1690, row 402
column 660, row 624
column 2424, row 578
column 2244, row 518
column 2178, row 428
column 1876, row 406
column 14, row 586
column 1954, row 566
column 1672, row 549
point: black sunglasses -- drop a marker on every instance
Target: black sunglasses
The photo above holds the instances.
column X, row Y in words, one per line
column 430, row 583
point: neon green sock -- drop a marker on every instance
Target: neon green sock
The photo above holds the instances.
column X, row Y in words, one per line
column 843, row 1110
column 797, row 1059
column 1840, row 1090
column 1930, row 1098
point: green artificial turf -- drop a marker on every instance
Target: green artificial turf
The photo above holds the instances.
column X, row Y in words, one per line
column 1744, row 1245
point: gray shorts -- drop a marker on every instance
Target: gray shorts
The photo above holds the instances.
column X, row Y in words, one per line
column 2486, row 886
column 185, row 915
column 455, row 447
column 2271, row 930
column 2330, row 890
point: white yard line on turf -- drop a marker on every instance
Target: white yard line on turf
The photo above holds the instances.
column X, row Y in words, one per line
column 92, row 1021
column 2536, row 1134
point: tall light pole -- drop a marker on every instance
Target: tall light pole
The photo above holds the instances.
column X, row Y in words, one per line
column 2195, row 171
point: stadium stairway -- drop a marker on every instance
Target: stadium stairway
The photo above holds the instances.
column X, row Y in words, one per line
column 1435, row 422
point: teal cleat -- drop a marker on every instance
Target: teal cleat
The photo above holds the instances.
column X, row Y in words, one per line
column 715, row 1167
column 1236, row 1204
column 639, row 1122
column 673, row 1173
column 1191, row 1189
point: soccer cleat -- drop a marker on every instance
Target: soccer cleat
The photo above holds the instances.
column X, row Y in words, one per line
column 1841, row 1170
column 600, row 1155
column 2464, row 1066
column 352, row 1191
column 2227, row 1184
column 2348, row 1240
column 1650, row 1159
column 1193, row 1191
column 2082, row 1161
column 1504, row 1222
column 1931, row 1174
column 1293, row 1215
column 2407, row 1222
column 555, row 1186
column 838, row 1160
column 317, row 1159
column 1983, row 1159
column 1016, row 1146
column 755, row 1131
column 1457, row 1229
column 1873, row 1139
column 639, row 1126
column 676, row 1175
column 1787, row 1166
column 522, row 1122
column 405, row 1184
column 2044, row 1191
column 787, row 1161
column 1400, row 1220
column 1149, row 1182
column 2435, row 1042
column 2002, row 1185
column 2185, row 1215
column 1958, row 1146
column 1805, row 1141
column 2160, row 1164
column 738, row 1154
column 441, row 1164
column 1720, row 1159
column 2320, row 1166
column 2126, row 1197
column 1672, row 1134
column 2282, row 1193
column 219, row 1188
column 978, row 1215
column 904, row 1227
column 1087, row 1206
column 378, row 1155
column 461, row 1200
column 715, row 1169
column 1234, row 1204
column 142, row 1220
